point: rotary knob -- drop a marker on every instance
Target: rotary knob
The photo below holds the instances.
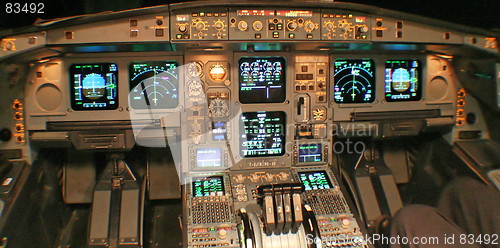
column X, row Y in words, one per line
column 257, row 25
column 242, row 25
column 309, row 26
column 363, row 29
column 292, row 25
column 219, row 25
column 200, row 25
column 182, row 28
column 329, row 26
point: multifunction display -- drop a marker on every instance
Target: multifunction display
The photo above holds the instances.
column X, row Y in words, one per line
column 210, row 186
column 315, row 180
column 154, row 85
column 310, row 153
column 264, row 134
column 208, row 157
column 262, row 80
column 354, row 81
column 94, row 86
column 402, row 80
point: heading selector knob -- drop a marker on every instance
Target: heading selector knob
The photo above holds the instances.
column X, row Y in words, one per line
column 329, row 26
column 309, row 26
column 242, row 25
column 257, row 25
column 292, row 25
column 219, row 25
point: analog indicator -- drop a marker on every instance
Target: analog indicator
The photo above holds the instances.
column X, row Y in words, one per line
column 217, row 73
column 195, row 88
column 218, row 107
column 354, row 81
column 195, row 69
column 154, row 85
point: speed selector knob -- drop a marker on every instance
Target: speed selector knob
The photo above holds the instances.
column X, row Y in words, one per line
column 242, row 25
column 200, row 26
column 291, row 25
column 363, row 29
column 309, row 26
column 219, row 25
column 257, row 25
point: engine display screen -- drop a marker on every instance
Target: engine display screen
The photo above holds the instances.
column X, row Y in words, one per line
column 354, row 81
column 154, row 85
column 315, row 180
column 94, row 86
column 264, row 134
column 208, row 157
column 262, row 80
column 210, row 186
column 310, row 153
column 402, row 80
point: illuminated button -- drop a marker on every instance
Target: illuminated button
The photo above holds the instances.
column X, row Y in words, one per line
column 159, row 32
column 223, row 14
column 321, row 71
column 304, row 68
column 276, row 34
column 325, row 15
column 186, row 36
column 134, row 33
column 272, row 26
column 194, row 14
column 257, row 36
column 380, row 33
column 209, row 14
column 216, row 14
column 202, row 14
column 309, row 36
column 399, row 24
column 133, row 22
column 280, row 26
column 291, row 36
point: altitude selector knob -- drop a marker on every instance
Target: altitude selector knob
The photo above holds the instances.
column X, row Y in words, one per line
column 257, row 25
column 200, row 26
column 242, row 25
column 219, row 25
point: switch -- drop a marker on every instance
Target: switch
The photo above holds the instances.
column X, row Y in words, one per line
column 304, row 68
column 133, row 22
column 159, row 32
column 380, row 33
column 134, row 33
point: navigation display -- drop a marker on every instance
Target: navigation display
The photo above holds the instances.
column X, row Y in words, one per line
column 315, row 180
column 94, row 86
column 310, row 153
column 402, row 80
column 208, row 157
column 354, row 81
column 264, row 134
column 154, row 85
column 210, row 186
column 262, row 80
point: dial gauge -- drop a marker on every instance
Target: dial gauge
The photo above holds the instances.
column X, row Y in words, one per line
column 218, row 107
column 154, row 85
column 319, row 114
column 217, row 73
column 354, row 81
column 195, row 69
column 195, row 88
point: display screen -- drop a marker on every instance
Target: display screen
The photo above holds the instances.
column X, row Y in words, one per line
column 354, row 81
column 154, row 85
column 402, row 80
column 208, row 157
column 264, row 134
column 315, row 180
column 310, row 153
column 262, row 80
column 94, row 86
column 219, row 130
column 210, row 186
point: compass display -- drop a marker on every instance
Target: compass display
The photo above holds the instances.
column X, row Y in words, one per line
column 94, row 86
column 153, row 85
column 262, row 80
column 354, row 81
column 402, row 80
